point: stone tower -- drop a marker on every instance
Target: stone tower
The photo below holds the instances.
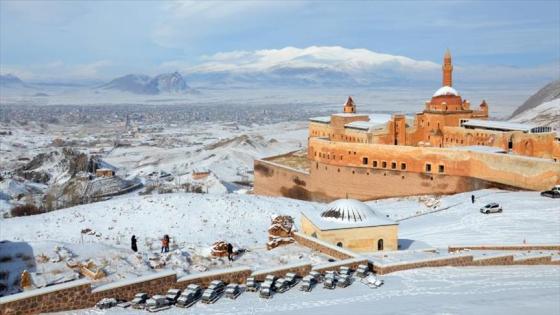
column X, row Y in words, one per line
column 447, row 69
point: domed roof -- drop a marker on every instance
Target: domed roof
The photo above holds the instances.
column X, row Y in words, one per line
column 446, row 90
column 347, row 210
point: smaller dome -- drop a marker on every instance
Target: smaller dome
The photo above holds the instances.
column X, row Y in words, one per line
column 347, row 210
column 446, row 90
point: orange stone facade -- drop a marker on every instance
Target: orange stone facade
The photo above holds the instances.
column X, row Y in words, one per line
column 435, row 152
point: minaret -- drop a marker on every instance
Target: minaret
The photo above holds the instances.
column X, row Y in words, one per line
column 349, row 106
column 447, row 69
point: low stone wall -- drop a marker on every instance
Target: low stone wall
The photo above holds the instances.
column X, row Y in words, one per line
column 300, row 269
column 495, row 260
column 231, row 275
column 455, row 248
column 66, row 296
column 126, row 289
column 323, row 247
column 533, row 260
column 352, row 263
column 460, row 260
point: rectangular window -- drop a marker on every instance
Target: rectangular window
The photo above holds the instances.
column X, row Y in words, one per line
column 403, row 166
column 394, row 165
column 384, row 164
column 365, row 161
column 428, row 167
column 374, row 163
column 441, row 168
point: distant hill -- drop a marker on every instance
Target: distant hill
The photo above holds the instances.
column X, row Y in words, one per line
column 548, row 93
column 10, row 80
column 541, row 108
column 143, row 84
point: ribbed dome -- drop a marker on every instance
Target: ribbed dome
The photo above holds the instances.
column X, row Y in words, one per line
column 347, row 210
column 446, row 90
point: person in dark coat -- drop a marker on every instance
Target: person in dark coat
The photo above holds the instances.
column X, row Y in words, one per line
column 133, row 245
column 165, row 244
column 472, row 199
column 230, row 252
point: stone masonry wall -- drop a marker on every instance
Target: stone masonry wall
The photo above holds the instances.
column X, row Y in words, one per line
column 455, row 248
column 323, row 247
column 232, row 275
column 300, row 269
column 352, row 263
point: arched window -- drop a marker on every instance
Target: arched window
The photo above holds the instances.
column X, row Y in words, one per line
column 380, row 244
column 339, row 244
column 314, row 235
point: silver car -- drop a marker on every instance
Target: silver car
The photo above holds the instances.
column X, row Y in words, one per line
column 491, row 208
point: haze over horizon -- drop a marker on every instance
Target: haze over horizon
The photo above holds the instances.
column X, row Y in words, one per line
column 91, row 41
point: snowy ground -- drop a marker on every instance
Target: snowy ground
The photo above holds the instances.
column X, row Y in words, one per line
column 195, row 221
column 448, row 290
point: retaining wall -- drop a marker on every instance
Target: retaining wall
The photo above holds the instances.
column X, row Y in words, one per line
column 455, row 248
column 460, row 260
column 352, row 263
column 299, row 269
column 232, row 275
column 323, row 247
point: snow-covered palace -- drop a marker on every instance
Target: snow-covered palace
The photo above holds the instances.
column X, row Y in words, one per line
column 447, row 148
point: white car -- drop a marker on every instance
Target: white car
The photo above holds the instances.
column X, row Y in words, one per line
column 491, row 208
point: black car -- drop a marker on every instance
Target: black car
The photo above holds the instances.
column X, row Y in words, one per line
column 553, row 193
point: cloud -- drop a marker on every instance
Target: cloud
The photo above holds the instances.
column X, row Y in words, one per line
column 186, row 23
column 58, row 71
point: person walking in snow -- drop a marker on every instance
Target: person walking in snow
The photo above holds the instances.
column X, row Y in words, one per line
column 472, row 199
column 133, row 245
column 230, row 252
column 165, row 244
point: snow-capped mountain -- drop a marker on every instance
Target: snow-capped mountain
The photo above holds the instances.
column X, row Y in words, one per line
column 315, row 66
column 143, row 84
column 542, row 108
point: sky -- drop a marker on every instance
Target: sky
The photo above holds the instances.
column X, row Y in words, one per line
column 47, row 40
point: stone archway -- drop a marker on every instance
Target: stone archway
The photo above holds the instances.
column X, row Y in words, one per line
column 380, row 244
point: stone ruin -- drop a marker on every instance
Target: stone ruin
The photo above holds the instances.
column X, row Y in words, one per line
column 280, row 231
column 219, row 249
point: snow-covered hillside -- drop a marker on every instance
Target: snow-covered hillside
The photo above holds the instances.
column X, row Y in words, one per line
column 545, row 114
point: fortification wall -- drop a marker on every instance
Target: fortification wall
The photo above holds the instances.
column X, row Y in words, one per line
column 323, row 247
column 506, row 169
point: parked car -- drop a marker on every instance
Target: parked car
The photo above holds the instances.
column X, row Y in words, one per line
column 316, row 275
column 271, row 278
column 251, row 284
column 233, row 290
column 343, row 281
column 362, row 271
column 265, row 292
column 191, row 295
column 345, row 270
column 491, row 208
column 157, row 303
column 308, row 283
column 217, row 285
column 330, row 281
column 553, row 193
column 139, row 300
column 292, row 279
column 281, row 285
column 210, row 296
column 106, row 303
column 172, row 295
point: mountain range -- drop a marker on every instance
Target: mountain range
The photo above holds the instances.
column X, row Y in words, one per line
column 143, row 84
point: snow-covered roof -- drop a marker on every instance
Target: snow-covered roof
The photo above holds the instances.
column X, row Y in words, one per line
column 445, row 90
column 479, row 148
column 497, row 125
column 321, row 119
column 346, row 213
column 365, row 125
